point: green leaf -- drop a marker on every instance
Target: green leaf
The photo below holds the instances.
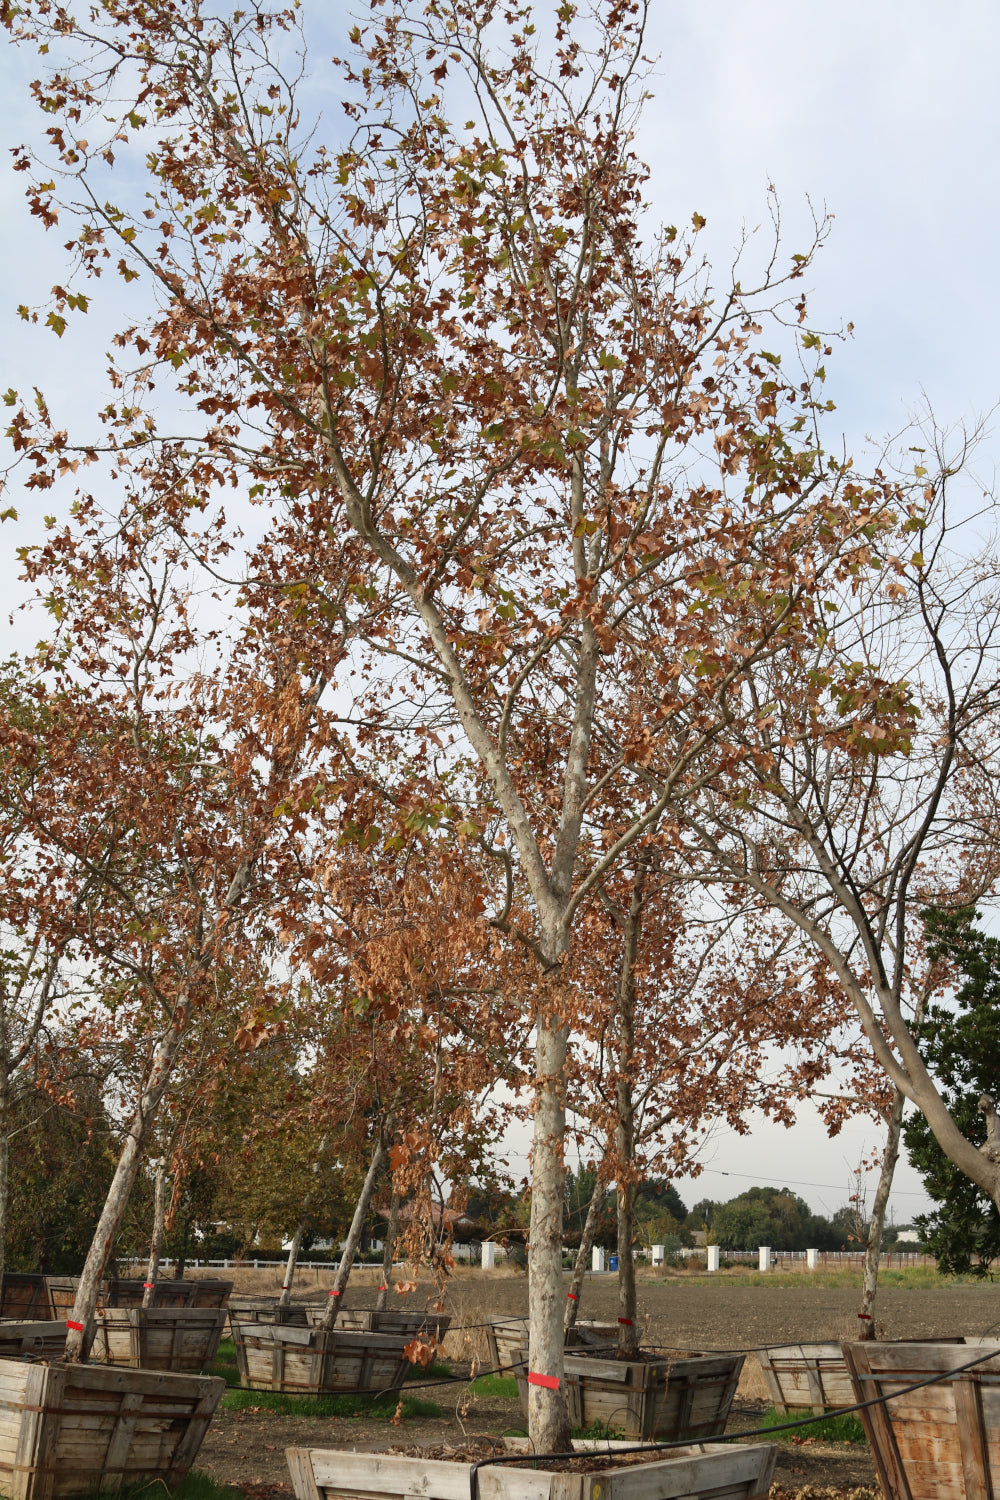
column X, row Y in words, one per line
column 55, row 322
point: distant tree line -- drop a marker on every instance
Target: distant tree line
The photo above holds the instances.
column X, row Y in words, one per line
column 759, row 1216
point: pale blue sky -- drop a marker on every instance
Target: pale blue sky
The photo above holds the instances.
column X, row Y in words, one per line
column 886, row 113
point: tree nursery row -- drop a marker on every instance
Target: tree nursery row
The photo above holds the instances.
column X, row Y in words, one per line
column 470, row 671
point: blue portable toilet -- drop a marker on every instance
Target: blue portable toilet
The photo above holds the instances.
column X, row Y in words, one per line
column 612, row 1262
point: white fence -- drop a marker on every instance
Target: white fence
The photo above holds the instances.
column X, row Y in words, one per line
column 470, row 1253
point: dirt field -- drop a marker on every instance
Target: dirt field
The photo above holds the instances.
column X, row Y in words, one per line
column 247, row 1447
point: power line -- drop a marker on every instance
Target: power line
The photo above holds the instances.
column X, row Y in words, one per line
column 795, row 1182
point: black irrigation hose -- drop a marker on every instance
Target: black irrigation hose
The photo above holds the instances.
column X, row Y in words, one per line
column 842, row 1411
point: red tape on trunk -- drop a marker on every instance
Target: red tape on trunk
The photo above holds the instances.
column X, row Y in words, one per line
column 334, row 1293
column 149, row 1286
column 550, row 1382
column 626, row 1321
column 77, row 1327
column 572, row 1296
column 866, row 1316
column 383, row 1288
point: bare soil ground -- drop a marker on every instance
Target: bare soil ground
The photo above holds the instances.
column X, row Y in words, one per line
column 247, row 1447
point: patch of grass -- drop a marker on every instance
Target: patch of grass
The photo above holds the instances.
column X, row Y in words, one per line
column 837, row 1427
column 434, row 1371
column 382, row 1406
column 194, row 1487
column 598, row 1432
column 224, row 1363
column 908, row 1278
column 502, row 1386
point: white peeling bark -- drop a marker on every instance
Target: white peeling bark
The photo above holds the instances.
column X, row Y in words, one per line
column 869, row 1280
column 583, row 1254
column 156, row 1239
column 5, row 1127
column 548, row 1417
column 354, row 1236
column 628, row 1339
column 80, row 1321
column 293, row 1256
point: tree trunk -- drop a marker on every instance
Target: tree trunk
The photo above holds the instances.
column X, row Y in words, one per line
column 297, row 1237
column 628, row 1333
column 583, row 1254
column 869, row 1282
column 389, row 1253
column 354, row 1236
column 4, row 1165
column 79, row 1325
column 628, row 1338
column 293, row 1256
column 156, row 1242
column 548, row 1416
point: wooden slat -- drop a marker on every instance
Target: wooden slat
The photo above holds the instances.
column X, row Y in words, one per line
column 743, row 1473
column 29, row 1439
column 187, row 1449
column 121, row 1439
column 876, row 1424
column 972, row 1438
column 385, row 1474
column 299, row 1461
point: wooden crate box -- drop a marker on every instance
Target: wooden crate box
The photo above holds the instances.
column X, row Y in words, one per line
column 206, row 1292
column 814, row 1377
column 71, row 1429
column 40, row 1339
column 24, row 1295
column 720, row 1473
column 504, row 1337
column 941, row 1442
column 811, row 1377
column 666, row 1399
column 367, row 1320
column 275, row 1357
column 265, row 1310
column 158, row 1338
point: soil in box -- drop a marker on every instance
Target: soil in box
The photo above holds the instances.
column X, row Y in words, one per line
column 158, row 1338
column 274, row 1357
column 941, row 1442
column 663, row 1398
column 71, row 1429
column 722, row 1473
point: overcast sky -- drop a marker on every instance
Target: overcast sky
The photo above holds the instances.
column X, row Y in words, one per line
column 886, row 114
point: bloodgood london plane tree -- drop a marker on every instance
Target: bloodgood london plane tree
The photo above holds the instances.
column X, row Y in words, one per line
column 501, row 427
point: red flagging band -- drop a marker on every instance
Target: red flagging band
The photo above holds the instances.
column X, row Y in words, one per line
column 149, row 1286
column 867, row 1317
column 626, row 1321
column 77, row 1326
column 383, row 1288
column 334, row 1292
column 550, row 1382
column 572, row 1296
